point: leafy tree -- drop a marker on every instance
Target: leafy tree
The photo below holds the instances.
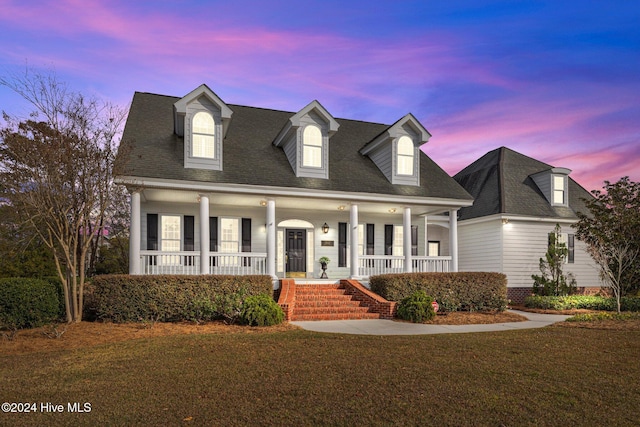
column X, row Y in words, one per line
column 611, row 231
column 57, row 172
column 553, row 280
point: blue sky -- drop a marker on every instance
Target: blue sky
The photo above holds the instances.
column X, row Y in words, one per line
column 555, row 80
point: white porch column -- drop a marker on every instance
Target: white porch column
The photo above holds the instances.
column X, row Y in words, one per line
column 406, row 239
column 453, row 239
column 271, row 238
column 204, row 234
column 135, row 235
column 353, row 237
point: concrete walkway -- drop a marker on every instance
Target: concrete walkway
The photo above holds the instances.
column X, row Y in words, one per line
column 390, row 327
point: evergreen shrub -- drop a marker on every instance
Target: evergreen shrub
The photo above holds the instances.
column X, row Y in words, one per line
column 171, row 298
column 416, row 307
column 28, row 303
column 261, row 310
column 474, row 291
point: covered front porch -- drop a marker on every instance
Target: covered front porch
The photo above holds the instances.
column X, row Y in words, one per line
column 285, row 233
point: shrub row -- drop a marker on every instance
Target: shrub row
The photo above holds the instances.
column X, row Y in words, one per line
column 416, row 308
column 28, row 303
column 452, row 291
column 166, row 298
column 588, row 302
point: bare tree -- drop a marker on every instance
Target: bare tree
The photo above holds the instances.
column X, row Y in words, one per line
column 57, row 168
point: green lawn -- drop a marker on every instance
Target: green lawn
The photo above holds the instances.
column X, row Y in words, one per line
column 553, row 376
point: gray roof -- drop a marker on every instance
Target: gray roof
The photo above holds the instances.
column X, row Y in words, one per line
column 249, row 157
column 501, row 183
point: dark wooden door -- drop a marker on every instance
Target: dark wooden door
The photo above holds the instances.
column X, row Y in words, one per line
column 296, row 250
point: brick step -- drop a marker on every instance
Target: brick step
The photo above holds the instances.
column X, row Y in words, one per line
column 326, row 303
column 328, row 297
column 335, row 316
column 318, row 290
column 333, row 309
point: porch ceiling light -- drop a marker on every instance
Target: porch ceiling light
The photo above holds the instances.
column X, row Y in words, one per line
column 505, row 221
column 341, row 207
column 263, row 203
column 325, row 228
column 392, row 210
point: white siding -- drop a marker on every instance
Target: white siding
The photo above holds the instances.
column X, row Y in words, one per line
column 526, row 242
column 480, row 246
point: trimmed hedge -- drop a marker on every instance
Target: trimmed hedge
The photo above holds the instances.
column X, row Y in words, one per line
column 587, row 302
column 171, row 298
column 28, row 303
column 452, row 291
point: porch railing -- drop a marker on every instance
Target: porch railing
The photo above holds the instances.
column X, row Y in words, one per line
column 188, row 262
column 371, row 265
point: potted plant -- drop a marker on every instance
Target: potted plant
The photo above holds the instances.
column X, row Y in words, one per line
column 323, row 263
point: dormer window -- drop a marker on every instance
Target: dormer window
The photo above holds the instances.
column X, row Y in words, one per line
column 406, row 153
column 203, row 139
column 395, row 151
column 305, row 141
column 202, row 119
column 559, row 190
column 554, row 185
column 312, row 147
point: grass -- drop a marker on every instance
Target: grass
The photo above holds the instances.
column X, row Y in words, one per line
column 564, row 375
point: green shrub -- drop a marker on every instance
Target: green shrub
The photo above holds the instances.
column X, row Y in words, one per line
column 453, row 291
column 594, row 317
column 261, row 310
column 28, row 303
column 169, row 298
column 416, row 307
column 587, row 302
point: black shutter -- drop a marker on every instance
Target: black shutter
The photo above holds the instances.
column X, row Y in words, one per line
column 342, row 244
column 189, row 233
column 152, row 232
column 571, row 248
column 213, row 237
column 188, row 243
column 370, row 239
column 213, row 234
column 388, row 239
column 414, row 240
column 246, row 239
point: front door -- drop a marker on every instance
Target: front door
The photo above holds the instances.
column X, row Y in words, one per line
column 296, row 255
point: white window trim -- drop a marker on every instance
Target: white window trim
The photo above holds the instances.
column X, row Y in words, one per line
column 400, row 156
column 194, row 134
column 320, row 147
column 556, row 191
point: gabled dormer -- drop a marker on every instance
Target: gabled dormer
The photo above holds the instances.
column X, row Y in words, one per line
column 305, row 140
column 396, row 150
column 202, row 118
column 554, row 184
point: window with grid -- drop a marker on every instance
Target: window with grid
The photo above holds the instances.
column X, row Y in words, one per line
column 312, row 147
column 203, row 136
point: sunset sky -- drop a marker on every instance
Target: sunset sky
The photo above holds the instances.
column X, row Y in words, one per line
column 555, row 80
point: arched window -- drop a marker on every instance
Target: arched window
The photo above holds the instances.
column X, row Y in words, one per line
column 203, row 136
column 406, row 153
column 312, row 147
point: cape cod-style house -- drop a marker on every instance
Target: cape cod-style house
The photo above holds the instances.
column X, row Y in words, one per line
column 518, row 202
column 230, row 189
